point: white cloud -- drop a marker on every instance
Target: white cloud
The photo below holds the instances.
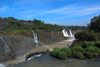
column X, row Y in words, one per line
column 4, row 8
column 75, row 10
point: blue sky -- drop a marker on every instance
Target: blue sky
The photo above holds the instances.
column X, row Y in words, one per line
column 61, row 12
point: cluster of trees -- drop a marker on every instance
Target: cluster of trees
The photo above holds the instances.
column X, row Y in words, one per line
column 95, row 24
column 85, row 50
column 12, row 24
column 92, row 33
column 75, row 27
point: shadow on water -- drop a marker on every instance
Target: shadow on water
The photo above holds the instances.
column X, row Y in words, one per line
column 49, row 61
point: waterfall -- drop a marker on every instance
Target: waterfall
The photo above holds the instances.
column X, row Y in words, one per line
column 4, row 48
column 65, row 33
column 71, row 35
column 35, row 38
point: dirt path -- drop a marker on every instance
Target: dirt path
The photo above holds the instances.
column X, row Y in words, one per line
column 65, row 43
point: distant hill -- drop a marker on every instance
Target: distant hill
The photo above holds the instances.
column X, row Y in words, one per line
column 75, row 27
column 14, row 25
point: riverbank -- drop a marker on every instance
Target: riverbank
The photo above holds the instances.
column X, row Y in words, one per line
column 39, row 49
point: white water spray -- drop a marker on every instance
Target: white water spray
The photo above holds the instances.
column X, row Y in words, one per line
column 35, row 38
column 6, row 49
column 34, row 57
column 1, row 65
column 65, row 33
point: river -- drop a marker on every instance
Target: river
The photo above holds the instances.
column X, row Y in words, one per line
column 49, row 61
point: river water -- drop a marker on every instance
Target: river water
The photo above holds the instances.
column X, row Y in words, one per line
column 49, row 61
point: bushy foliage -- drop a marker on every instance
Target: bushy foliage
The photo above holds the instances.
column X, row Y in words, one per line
column 76, row 45
column 55, row 51
column 27, row 56
column 62, row 55
column 2, row 58
column 75, row 27
column 91, row 43
column 67, row 51
column 78, row 49
column 48, row 50
column 74, row 52
column 95, row 55
column 11, row 24
column 95, row 24
column 92, row 49
column 86, row 35
column 97, row 44
column 85, row 44
column 59, row 54
column 80, row 55
column 44, row 51
column 56, row 48
column 89, row 55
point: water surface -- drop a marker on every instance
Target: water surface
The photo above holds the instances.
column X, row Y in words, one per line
column 48, row 61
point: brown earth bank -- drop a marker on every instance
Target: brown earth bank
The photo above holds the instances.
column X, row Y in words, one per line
column 45, row 37
column 18, row 46
column 21, row 43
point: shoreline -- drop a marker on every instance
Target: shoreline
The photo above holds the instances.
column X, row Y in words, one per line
column 38, row 49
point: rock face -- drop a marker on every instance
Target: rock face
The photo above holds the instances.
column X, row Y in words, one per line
column 19, row 45
column 45, row 37
column 4, row 48
column 51, row 37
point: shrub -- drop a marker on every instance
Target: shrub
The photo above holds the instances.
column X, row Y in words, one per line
column 74, row 52
column 95, row 55
column 48, row 50
column 11, row 54
column 76, row 45
column 56, row 48
column 80, row 55
column 62, row 55
column 55, row 53
column 98, row 52
column 3, row 57
column 92, row 49
column 85, row 44
column 97, row 44
column 44, row 51
column 86, row 35
column 78, row 49
column 67, row 51
column 91, row 43
column 27, row 56
column 89, row 55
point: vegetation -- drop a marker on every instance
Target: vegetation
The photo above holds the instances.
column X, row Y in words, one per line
column 67, row 51
column 20, row 26
column 44, row 51
column 62, row 55
column 89, row 55
column 7, row 56
column 80, row 51
column 75, row 27
column 92, row 33
column 48, row 50
column 27, row 56
column 86, row 35
column 80, row 55
column 95, row 55
column 77, row 49
column 97, row 44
